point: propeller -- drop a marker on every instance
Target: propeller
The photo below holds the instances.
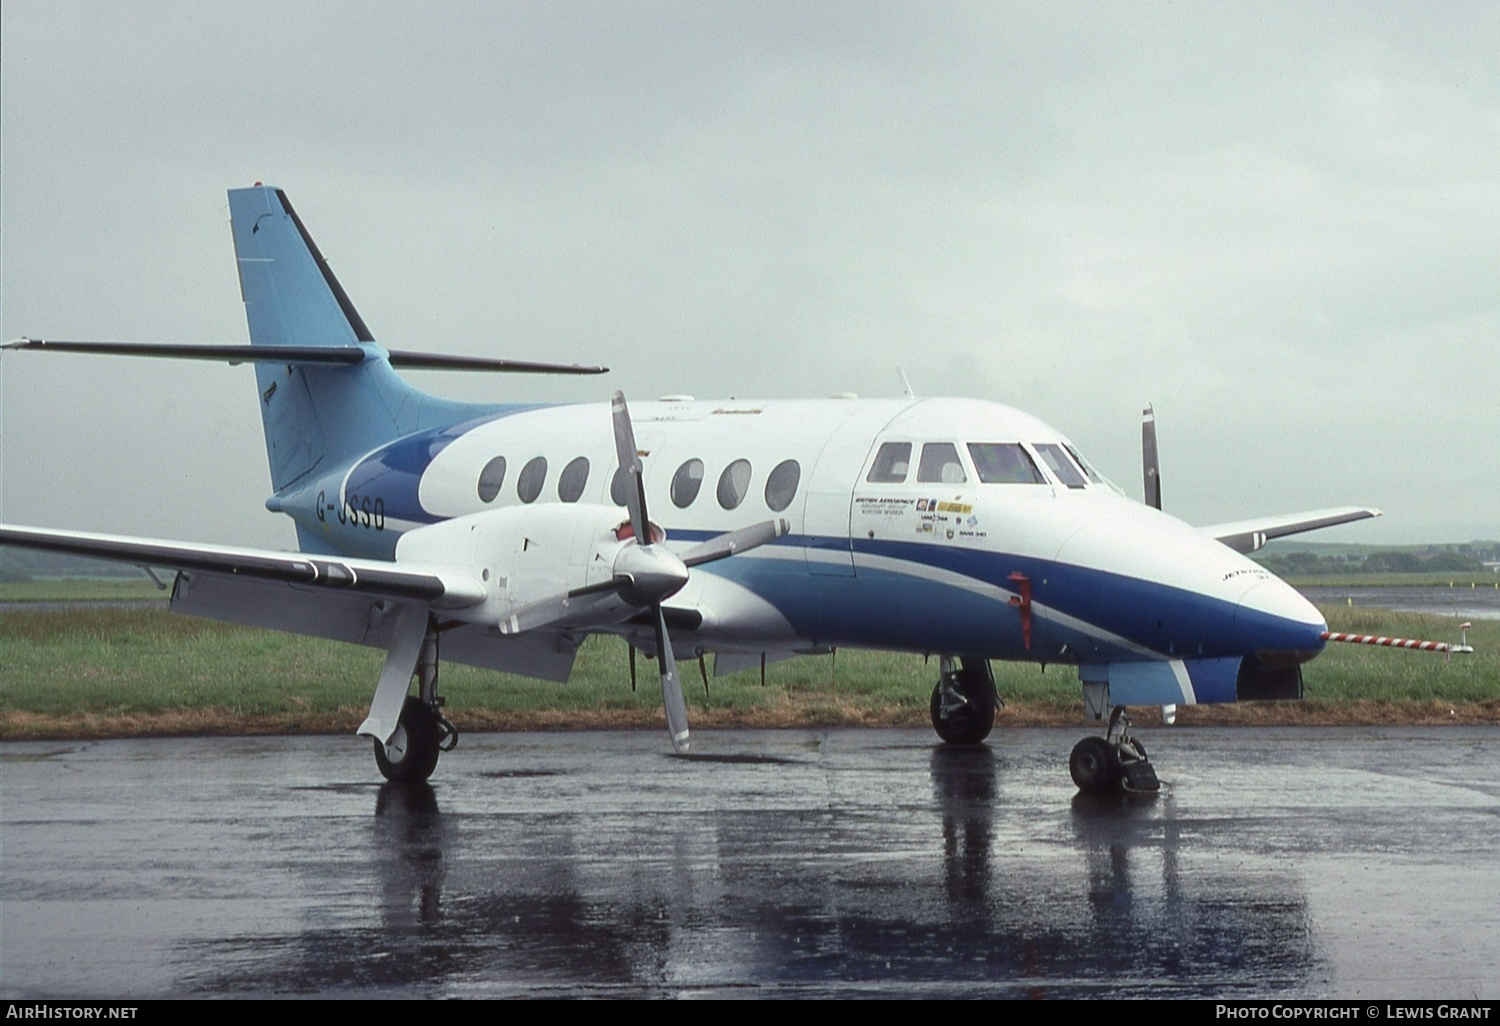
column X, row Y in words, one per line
column 658, row 574
column 1150, row 465
column 645, row 573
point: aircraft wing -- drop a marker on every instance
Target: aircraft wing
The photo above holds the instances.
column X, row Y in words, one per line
column 1250, row 535
column 439, row 587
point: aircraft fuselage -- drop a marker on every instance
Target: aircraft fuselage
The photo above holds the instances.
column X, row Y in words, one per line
column 917, row 525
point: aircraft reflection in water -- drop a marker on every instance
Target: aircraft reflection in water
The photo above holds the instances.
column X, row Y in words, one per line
column 980, row 886
column 960, row 529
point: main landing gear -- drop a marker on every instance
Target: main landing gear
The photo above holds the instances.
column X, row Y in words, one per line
column 1115, row 762
column 423, row 732
column 964, row 701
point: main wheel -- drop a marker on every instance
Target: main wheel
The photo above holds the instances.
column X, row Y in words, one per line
column 412, row 752
column 1095, row 765
column 970, row 723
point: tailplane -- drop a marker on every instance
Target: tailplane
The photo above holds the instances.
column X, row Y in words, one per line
column 328, row 393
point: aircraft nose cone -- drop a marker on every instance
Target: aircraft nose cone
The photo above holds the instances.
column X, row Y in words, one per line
column 1274, row 617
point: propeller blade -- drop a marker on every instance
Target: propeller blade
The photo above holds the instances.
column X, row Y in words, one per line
column 671, row 685
column 630, row 465
column 1150, row 465
column 742, row 540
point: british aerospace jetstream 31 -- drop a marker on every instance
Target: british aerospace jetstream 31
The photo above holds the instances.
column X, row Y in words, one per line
column 752, row 530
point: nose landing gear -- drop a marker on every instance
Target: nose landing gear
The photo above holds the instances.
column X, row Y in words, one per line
column 1115, row 762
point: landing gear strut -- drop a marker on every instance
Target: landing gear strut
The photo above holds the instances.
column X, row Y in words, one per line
column 423, row 732
column 964, row 701
column 1113, row 762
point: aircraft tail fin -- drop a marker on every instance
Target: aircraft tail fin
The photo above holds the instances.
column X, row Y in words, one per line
column 315, row 412
column 291, row 295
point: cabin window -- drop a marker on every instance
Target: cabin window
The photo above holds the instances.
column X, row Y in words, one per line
column 686, row 482
column 1004, row 463
column 892, row 463
column 734, row 483
column 781, row 485
column 491, row 478
column 529, row 482
column 940, row 464
column 1062, row 467
column 617, row 486
column 571, row 482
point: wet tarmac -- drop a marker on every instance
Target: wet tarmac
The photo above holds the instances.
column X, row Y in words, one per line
column 1464, row 602
column 1305, row 862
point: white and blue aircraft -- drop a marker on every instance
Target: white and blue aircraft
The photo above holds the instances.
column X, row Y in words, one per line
column 752, row 530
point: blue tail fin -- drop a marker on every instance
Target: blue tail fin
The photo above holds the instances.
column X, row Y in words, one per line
column 316, row 414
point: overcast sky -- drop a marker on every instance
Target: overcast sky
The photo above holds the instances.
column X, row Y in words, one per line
column 1278, row 223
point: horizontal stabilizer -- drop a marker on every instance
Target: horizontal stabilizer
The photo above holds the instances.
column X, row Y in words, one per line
column 440, row 587
column 1251, row 535
column 232, row 354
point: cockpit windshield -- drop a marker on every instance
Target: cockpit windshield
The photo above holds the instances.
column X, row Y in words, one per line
column 1004, row 463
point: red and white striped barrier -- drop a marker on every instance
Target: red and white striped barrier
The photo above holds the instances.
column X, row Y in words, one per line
column 1462, row 648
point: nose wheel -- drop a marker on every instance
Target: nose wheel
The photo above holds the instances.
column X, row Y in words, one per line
column 1115, row 762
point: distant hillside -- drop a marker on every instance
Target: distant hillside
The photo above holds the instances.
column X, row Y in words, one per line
column 1292, row 558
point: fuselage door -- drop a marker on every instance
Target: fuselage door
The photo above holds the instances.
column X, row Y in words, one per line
column 830, row 493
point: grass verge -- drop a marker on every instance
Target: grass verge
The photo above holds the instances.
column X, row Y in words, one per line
column 129, row 672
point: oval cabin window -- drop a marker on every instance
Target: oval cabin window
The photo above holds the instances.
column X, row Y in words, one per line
column 574, row 478
column 734, row 483
column 491, row 478
column 686, row 482
column 781, row 486
column 532, row 477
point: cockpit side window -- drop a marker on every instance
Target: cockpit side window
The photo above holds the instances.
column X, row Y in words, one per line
column 1078, row 459
column 892, row 464
column 940, row 464
column 1004, row 463
column 1062, row 467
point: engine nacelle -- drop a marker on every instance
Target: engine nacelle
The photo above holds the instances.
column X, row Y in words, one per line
column 523, row 554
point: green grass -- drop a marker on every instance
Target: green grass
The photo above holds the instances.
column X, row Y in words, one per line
column 106, row 671
column 72, row 589
column 1346, row 672
column 116, row 662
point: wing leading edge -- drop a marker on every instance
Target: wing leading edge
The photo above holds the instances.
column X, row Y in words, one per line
column 437, row 587
column 1247, row 536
